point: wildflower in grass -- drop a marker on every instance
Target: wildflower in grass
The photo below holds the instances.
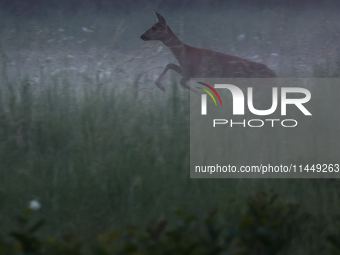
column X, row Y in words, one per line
column 34, row 205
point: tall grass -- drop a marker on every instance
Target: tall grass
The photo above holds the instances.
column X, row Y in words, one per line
column 98, row 156
column 104, row 150
column 101, row 154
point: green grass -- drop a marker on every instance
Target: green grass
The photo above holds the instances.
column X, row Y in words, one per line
column 265, row 226
column 107, row 152
column 104, row 155
column 99, row 157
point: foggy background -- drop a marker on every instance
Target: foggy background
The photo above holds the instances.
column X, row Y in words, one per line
column 85, row 131
column 294, row 38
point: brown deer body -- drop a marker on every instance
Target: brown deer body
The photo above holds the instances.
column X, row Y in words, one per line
column 202, row 63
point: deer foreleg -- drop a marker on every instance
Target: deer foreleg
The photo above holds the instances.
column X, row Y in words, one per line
column 174, row 67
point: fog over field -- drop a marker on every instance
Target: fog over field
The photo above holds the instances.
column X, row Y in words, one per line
column 85, row 131
column 294, row 43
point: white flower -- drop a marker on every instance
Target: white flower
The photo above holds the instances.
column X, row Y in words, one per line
column 34, row 205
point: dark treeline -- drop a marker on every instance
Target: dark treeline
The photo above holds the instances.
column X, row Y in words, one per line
column 42, row 7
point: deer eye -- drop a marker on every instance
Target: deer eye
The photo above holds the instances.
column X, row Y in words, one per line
column 153, row 28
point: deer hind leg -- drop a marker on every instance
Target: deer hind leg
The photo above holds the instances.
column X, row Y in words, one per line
column 174, row 67
column 184, row 84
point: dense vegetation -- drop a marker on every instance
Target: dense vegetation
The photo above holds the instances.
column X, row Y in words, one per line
column 85, row 132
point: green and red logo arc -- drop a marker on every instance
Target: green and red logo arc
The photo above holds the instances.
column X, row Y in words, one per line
column 209, row 93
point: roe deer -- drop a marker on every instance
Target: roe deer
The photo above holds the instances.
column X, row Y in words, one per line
column 202, row 63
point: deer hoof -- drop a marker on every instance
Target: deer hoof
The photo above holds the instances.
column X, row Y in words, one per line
column 159, row 85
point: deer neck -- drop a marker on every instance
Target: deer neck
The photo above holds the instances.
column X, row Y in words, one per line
column 176, row 46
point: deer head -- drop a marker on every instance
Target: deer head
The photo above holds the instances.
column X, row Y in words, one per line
column 158, row 31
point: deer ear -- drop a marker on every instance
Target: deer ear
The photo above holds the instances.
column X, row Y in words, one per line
column 160, row 19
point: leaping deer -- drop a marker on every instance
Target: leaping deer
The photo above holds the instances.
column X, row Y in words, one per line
column 202, row 63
